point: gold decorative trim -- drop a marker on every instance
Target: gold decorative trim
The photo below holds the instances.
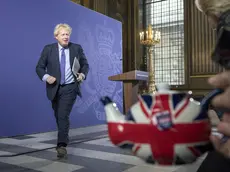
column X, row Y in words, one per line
column 201, row 76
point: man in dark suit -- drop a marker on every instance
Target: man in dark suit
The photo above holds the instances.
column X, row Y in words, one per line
column 62, row 85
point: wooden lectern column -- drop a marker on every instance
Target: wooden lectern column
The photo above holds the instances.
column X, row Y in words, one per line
column 130, row 84
column 130, row 94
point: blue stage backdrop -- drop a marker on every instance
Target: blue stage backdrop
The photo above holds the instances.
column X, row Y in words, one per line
column 26, row 26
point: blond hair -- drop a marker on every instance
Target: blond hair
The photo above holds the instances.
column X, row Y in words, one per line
column 215, row 7
column 60, row 26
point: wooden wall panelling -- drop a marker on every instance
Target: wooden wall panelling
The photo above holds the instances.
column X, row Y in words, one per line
column 127, row 13
column 100, row 6
column 187, row 41
column 200, row 38
column 199, row 43
column 133, row 35
column 119, row 11
column 86, row 3
column 77, row 1
column 136, row 37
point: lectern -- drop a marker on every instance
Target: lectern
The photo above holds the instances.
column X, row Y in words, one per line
column 131, row 83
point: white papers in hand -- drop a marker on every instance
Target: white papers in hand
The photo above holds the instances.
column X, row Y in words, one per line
column 76, row 67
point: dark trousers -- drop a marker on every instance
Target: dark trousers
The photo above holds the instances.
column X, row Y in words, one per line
column 215, row 162
column 62, row 106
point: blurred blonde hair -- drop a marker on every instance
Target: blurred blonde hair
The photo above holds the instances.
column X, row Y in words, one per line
column 60, row 26
column 215, row 7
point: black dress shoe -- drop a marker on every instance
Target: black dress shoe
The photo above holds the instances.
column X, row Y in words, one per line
column 61, row 151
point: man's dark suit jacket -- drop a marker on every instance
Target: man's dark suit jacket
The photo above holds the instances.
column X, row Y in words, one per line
column 48, row 63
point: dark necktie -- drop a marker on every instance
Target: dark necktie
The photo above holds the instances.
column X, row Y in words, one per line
column 63, row 58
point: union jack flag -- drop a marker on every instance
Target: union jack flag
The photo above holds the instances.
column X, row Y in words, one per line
column 163, row 128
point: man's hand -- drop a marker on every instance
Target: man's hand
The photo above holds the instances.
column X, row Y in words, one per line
column 80, row 77
column 221, row 81
column 51, row 80
column 223, row 127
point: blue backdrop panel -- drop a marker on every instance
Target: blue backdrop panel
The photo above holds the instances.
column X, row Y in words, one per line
column 26, row 26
